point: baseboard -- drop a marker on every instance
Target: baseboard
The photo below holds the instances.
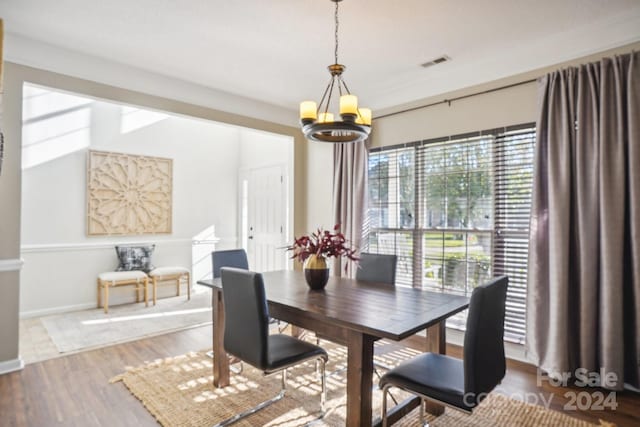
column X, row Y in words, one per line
column 56, row 310
column 11, row 366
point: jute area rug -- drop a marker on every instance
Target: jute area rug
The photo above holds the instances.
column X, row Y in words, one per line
column 179, row 392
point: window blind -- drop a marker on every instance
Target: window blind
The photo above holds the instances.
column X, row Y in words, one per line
column 456, row 212
column 513, row 185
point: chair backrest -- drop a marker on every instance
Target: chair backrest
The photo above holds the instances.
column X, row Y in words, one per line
column 236, row 258
column 377, row 268
column 484, row 360
column 246, row 316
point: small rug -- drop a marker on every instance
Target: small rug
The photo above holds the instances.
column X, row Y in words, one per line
column 93, row 328
column 179, row 392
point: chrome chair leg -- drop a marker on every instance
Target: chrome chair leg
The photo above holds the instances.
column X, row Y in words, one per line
column 385, row 391
column 256, row 408
column 237, row 370
column 323, row 390
column 284, row 379
column 262, row 405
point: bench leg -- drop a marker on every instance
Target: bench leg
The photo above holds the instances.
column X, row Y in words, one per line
column 146, row 294
column 188, row 286
column 99, row 294
column 106, row 297
column 155, row 288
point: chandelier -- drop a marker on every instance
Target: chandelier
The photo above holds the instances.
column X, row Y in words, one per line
column 318, row 122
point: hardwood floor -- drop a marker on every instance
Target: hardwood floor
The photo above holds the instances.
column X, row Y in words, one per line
column 74, row 390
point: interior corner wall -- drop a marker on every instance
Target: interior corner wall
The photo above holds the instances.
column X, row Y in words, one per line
column 10, row 221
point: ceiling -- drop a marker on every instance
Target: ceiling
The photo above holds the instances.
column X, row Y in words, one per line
column 277, row 51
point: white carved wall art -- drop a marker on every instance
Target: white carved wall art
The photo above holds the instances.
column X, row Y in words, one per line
column 128, row 194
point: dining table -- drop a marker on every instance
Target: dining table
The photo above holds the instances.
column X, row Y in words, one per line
column 352, row 313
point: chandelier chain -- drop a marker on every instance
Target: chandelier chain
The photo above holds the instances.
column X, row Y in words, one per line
column 336, row 34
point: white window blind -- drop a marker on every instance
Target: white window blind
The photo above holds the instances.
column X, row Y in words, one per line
column 456, row 212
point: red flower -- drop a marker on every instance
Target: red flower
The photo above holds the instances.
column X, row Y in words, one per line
column 322, row 243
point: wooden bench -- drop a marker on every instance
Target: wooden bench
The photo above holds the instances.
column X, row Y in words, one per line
column 164, row 274
column 113, row 279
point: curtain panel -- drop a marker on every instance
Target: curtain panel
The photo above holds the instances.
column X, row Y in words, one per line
column 583, row 298
column 349, row 197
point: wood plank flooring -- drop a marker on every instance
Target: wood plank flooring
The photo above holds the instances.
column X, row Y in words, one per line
column 74, row 390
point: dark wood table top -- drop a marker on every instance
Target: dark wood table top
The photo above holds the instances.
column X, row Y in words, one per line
column 377, row 309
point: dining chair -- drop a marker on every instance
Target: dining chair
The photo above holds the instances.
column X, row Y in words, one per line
column 236, row 258
column 229, row 258
column 246, row 335
column 459, row 384
column 377, row 268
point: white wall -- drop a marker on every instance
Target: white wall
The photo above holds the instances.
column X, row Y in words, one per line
column 61, row 262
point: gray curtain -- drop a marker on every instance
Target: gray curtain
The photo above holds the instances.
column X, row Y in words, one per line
column 349, row 196
column 583, row 291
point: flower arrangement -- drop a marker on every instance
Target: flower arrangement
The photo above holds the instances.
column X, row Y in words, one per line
column 322, row 243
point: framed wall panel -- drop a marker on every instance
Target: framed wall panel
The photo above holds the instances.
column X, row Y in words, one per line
column 128, row 194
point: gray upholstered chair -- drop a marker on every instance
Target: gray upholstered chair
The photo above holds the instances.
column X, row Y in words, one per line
column 236, row 258
column 246, row 334
column 460, row 384
column 377, row 268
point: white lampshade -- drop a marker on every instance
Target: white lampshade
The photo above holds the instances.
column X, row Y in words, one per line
column 348, row 104
column 308, row 110
column 325, row 117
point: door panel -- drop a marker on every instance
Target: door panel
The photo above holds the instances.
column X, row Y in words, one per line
column 266, row 218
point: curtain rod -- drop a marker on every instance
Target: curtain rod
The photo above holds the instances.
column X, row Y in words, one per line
column 458, row 98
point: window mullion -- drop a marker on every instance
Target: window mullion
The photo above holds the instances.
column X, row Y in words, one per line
column 418, row 262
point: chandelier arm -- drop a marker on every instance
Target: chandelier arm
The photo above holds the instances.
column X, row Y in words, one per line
column 324, row 95
column 326, row 108
column 340, row 84
column 345, row 86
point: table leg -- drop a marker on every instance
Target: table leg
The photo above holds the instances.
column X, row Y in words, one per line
column 436, row 343
column 359, row 378
column 220, row 359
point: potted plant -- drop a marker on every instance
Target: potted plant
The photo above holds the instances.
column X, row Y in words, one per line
column 313, row 251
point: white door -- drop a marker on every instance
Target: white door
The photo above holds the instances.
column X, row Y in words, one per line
column 266, row 218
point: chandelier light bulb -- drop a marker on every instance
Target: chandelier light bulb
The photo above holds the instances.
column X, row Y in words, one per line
column 349, row 104
column 308, row 110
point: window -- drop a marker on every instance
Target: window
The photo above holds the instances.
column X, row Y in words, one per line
column 456, row 212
